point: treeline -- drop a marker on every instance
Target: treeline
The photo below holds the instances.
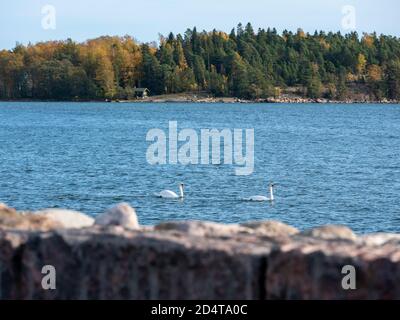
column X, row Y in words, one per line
column 244, row 64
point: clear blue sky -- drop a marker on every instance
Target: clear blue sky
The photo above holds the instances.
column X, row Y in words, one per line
column 20, row 20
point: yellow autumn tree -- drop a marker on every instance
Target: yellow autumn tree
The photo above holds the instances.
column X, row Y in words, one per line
column 103, row 71
column 368, row 40
column 179, row 56
column 361, row 64
column 374, row 73
column 126, row 58
column 301, row 33
column 10, row 65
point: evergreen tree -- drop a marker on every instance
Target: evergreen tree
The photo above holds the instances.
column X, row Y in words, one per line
column 243, row 63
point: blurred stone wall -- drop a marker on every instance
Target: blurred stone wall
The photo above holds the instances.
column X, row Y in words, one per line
column 198, row 261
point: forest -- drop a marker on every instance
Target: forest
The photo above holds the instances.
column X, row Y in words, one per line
column 245, row 63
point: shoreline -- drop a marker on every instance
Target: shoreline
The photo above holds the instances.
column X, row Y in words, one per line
column 225, row 100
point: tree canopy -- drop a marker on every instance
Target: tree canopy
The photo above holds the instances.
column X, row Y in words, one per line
column 244, row 63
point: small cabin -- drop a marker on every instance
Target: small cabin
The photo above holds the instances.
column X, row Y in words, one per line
column 141, row 92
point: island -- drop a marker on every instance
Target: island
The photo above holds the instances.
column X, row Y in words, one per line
column 208, row 66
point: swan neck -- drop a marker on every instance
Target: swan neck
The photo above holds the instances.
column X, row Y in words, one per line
column 181, row 191
column 271, row 193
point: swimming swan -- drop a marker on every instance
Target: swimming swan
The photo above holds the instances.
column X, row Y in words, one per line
column 263, row 198
column 168, row 194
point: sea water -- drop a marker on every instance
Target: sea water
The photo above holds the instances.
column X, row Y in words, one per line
column 332, row 163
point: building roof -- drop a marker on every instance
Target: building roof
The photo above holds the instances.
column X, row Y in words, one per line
column 141, row 89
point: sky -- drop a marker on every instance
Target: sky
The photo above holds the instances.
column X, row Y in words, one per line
column 22, row 21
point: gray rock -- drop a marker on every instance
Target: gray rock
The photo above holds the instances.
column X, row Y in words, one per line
column 97, row 264
column 271, row 228
column 4, row 207
column 228, row 262
column 331, row 232
column 6, row 211
column 11, row 219
column 202, row 228
column 302, row 270
column 379, row 239
column 67, row 218
column 120, row 215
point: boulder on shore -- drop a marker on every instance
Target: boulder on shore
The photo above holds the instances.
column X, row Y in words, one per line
column 11, row 219
column 202, row 228
column 120, row 215
column 67, row 219
column 331, row 232
column 271, row 228
column 379, row 239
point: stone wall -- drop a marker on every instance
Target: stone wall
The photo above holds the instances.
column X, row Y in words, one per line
column 197, row 260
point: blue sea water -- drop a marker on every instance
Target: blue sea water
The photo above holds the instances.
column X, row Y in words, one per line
column 334, row 164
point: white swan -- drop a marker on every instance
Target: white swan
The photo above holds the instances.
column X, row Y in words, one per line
column 168, row 194
column 263, row 198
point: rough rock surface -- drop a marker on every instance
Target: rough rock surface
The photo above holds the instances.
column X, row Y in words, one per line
column 202, row 228
column 271, row 228
column 120, row 215
column 130, row 265
column 331, row 232
column 378, row 239
column 67, row 218
column 11, row 219
column 313, row 271
column 197, row 260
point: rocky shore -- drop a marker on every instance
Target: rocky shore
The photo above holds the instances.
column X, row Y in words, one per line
column 285, row 98
column 113, row 257
column 297, row 100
